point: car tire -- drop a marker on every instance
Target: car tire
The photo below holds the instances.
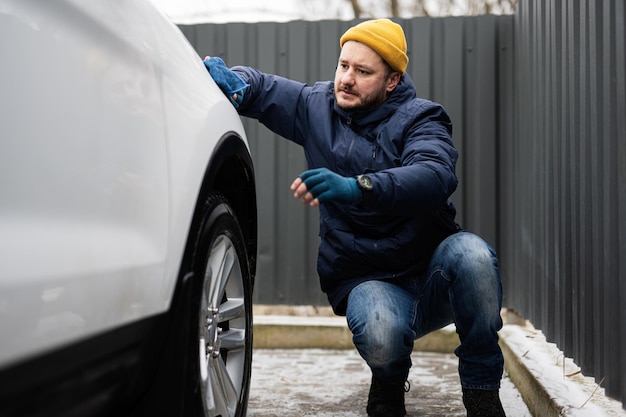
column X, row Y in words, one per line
column 220, row 348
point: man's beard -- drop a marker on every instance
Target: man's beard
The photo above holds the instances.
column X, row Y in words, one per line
column 364, row 104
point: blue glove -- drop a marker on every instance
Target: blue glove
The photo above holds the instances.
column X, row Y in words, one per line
column 230, row 83
column 327, row 186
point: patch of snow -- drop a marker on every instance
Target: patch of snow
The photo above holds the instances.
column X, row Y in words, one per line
column 575, row 394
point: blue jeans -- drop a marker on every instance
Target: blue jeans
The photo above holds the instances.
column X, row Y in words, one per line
column 462, row 285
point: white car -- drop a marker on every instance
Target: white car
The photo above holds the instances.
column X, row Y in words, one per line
column 127, row 218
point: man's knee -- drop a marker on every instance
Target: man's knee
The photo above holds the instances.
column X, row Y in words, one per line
column 382, row 337
column 465, row 253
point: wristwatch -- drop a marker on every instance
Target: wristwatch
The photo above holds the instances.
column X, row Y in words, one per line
column 365, row 184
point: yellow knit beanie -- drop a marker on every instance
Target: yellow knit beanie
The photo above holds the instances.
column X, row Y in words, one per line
column 383, row 36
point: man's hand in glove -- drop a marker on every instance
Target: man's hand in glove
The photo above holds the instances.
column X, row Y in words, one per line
column 228, row 81
column 321, row 185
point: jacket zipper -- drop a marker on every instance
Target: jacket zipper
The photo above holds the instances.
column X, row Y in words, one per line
column 374, row 148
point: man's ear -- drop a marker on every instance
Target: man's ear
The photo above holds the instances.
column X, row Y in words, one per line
column 393, row 81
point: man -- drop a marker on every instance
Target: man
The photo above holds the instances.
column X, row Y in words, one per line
column 381, row 169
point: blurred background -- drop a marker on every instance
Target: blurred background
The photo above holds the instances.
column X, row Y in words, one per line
column 207, row 11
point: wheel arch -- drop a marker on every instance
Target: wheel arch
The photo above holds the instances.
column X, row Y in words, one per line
column 230, row 171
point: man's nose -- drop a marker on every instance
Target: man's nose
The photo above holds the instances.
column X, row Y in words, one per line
column 348, row 77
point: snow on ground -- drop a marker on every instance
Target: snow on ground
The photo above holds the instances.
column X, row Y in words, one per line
column 577, row 395
column 335, row 383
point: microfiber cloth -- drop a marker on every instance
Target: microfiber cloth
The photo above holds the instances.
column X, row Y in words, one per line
column 227, row 80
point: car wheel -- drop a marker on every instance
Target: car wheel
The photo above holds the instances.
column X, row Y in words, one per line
column 223, row 313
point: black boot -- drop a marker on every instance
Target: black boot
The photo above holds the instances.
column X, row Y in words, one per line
column 481, row 403
column 385, row 400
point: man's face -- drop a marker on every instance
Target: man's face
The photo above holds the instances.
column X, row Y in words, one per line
column 362, row 79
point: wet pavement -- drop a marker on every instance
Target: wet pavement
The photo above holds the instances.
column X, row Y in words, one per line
column 335, row 383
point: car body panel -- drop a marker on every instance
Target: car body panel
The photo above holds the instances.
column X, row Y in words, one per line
column 194, row 105
column 103, row 147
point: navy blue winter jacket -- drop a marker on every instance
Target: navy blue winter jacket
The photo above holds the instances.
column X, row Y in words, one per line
column 404, row 145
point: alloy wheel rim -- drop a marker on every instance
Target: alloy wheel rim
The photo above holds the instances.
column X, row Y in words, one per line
column 222, row 331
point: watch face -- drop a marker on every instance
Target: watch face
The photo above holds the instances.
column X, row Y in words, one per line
column 365, row 182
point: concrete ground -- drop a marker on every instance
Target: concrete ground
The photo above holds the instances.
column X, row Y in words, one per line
column 305, row 365
column 335, row 383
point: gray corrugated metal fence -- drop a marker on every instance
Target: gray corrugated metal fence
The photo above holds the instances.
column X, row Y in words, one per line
column 564, row 212
column 538, row 105
column 453, row 61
